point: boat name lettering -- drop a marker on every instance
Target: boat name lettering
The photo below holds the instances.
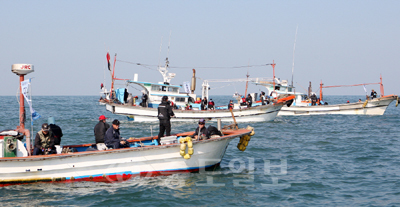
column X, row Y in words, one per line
column 27, row 67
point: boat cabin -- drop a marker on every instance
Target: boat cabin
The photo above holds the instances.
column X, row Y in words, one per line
column 282, row 87
column 155, row 92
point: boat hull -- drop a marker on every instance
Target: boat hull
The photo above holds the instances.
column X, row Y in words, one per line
column 376, row 106
column 253, row 114
column 113, row 165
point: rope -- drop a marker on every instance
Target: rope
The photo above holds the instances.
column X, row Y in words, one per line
column 179, row 67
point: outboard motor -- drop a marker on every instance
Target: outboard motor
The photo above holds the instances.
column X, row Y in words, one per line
column 10, row 146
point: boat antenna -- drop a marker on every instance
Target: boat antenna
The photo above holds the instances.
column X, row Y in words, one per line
column 294, row 48
column 169, row 43
column 159, row 54
column 164, row 70
column 247, row 82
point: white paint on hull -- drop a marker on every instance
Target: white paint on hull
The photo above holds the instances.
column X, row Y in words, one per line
column 253, row 114
column 374, row 107
column 128, row 161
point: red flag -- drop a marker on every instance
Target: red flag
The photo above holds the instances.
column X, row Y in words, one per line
column 108, row 60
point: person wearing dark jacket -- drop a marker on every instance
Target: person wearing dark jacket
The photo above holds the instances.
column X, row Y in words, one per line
column 230, row 105
column 314, row 99
column 44, row 142
column 262, row 98
column 203, row 105
column 164, row 115
column 201, row 130
column 211, row 105
column 249, row 101
column 112, row 137
column 373, row 94
column 56, row 132
column 100, row 129
column 144, row 99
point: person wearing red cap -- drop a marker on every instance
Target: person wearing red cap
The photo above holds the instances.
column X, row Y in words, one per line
column 100, row 129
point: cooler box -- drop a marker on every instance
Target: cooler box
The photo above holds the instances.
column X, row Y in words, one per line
column 168, row 140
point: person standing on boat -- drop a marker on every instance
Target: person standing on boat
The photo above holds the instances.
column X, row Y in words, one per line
column 262, row 98
column 201, row 132
column 249, row 100
column 313, row 98
column 211, row 104
column 144, row 99
column 373, row 94
column 112, row 137
column 100, row 129
column 230, row 105
column 203, row 105
column 164, row 115
column 267, row 99
column 44, row 142
column 243, row 101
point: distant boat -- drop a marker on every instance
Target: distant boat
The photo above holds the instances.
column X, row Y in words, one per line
column 302, row 104
column 181, row 100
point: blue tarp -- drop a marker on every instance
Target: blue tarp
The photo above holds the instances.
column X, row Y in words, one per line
column 120, row 92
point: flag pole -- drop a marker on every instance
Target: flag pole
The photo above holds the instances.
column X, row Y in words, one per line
column 30, row 94
column 112, row 82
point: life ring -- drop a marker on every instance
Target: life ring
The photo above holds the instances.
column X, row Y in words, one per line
column 186, row 141
column 244, row 140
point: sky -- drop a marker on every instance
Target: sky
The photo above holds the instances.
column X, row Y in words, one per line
column 338, row 42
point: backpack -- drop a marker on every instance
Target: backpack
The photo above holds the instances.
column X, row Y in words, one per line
column 56, row 133
column 213, row 131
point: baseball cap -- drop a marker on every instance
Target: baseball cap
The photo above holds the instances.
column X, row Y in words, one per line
column 102, row 117
column 116, row 122
column 202, row 121
column 45, row 127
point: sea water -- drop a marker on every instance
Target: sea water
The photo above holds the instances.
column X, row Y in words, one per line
column 324, row 160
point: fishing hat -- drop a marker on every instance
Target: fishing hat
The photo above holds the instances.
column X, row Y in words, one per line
column 202, row 121
column 115, row 122
column 102, row 117
column 45, row 127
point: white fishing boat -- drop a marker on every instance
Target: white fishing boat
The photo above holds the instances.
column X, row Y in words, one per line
column 302, row 104
column 253, row 114
column 143, row 157
column 155, row 91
